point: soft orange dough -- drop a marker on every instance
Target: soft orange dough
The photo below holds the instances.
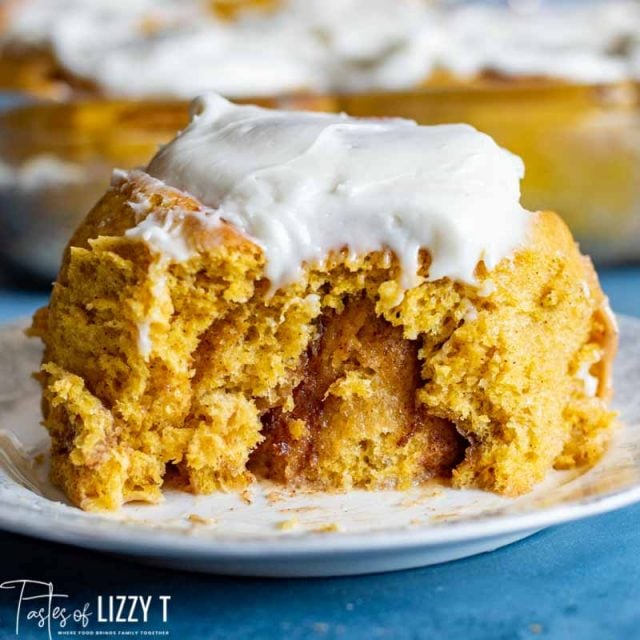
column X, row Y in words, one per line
column 338, row 380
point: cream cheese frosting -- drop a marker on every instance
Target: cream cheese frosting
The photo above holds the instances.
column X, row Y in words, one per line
column 315, row 45
column 102, row 23
column 302, row 185
column 146, row 48
column 586, row 41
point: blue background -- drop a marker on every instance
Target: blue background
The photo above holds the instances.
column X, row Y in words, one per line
column 580, row 580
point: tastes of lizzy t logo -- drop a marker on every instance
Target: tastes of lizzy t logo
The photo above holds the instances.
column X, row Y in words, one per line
column 38, row 604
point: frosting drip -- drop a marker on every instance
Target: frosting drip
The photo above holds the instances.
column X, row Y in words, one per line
column 304, row 184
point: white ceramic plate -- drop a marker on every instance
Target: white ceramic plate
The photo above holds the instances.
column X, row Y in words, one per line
column 271, row 532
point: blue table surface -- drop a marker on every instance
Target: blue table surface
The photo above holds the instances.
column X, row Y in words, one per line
column 579, row 580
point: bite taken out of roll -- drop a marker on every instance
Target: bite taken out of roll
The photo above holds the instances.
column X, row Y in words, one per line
column 326, row 302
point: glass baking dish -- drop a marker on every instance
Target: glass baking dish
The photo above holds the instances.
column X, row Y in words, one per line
column 580, row 144
column 55, row 162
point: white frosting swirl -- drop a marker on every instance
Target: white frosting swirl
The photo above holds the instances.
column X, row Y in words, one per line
column 303, row 184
